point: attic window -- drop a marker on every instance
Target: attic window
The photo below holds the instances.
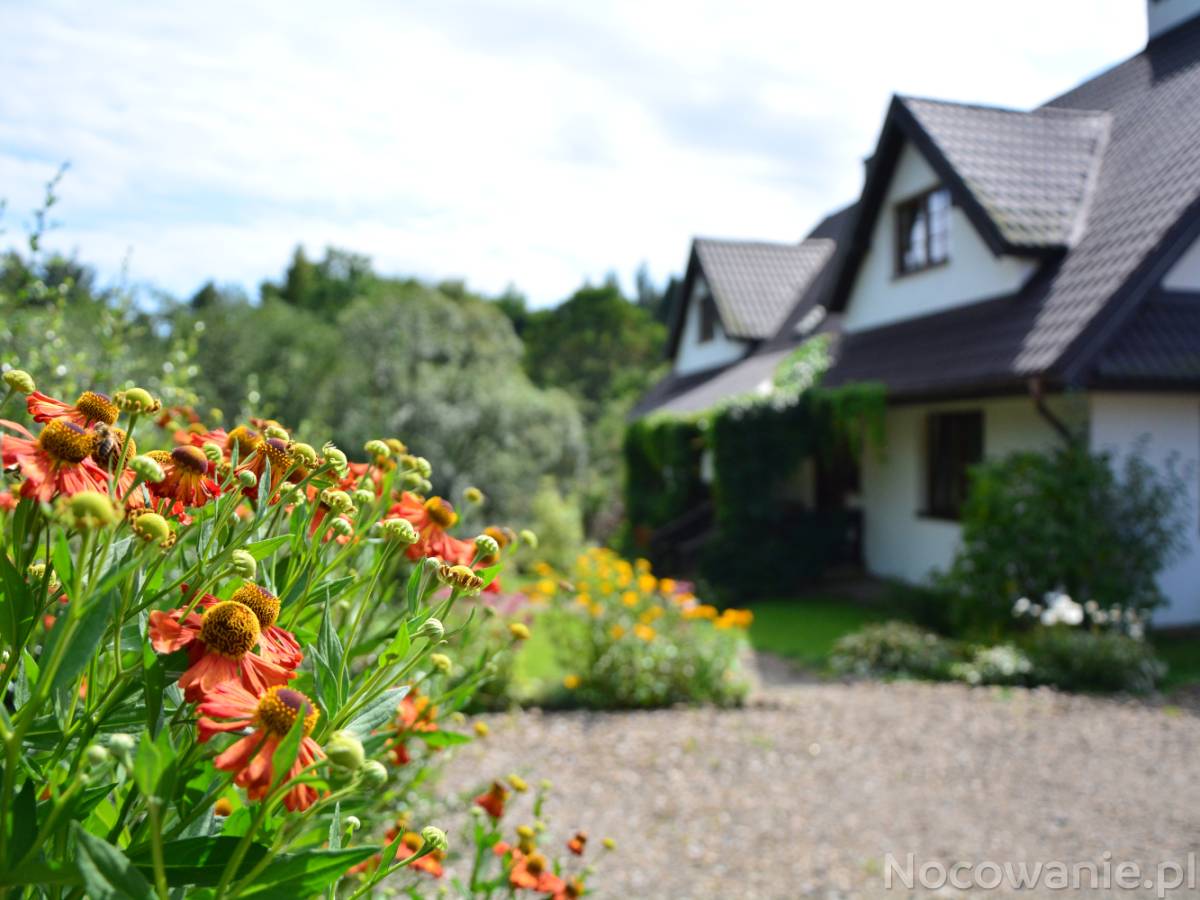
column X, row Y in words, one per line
column 923, row 231
column 708, row 318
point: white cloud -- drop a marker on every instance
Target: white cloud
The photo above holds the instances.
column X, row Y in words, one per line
column 533, row 143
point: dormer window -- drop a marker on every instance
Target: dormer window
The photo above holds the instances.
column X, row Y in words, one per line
column 923, row 231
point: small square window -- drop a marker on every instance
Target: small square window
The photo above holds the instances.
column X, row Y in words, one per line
column 953, row 443
column 923, row 231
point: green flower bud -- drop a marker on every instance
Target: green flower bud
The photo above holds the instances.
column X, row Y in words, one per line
column 96, row 755
column 432, row 565
column 341, row 527
column 243, row 563
column 276, row 431
column 213, row 451
column 338, row 501
column 147, row 469
column 412, row 480
column 136, row 400
column 121, row 744
column 441, row 662
column 153, row 528
column 363, row 497
column 20, row 381
column 335, row 458
column 372, row 775
column 434, row 837
column 529, row 538
column 433, row 629
column 247, row 479
column 486, row 546
column 399, row 530
column 88, row 510
column 345, row 751
column 352, row 824
column 304, row 454
column 473, row 495
column 378, row 449
column 425, row 486
column 424, row 466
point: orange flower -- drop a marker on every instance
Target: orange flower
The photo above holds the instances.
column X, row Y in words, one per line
column 432, row 518
column 273, row 449
column 431, row 863
column 55, row 462
column 415, row 713
column 271, row 716
column 492, row 800
column 188, row 480
column 275, row 644
column 220, row 646
column 531, row 872
column 90, row 408
column 577, row 843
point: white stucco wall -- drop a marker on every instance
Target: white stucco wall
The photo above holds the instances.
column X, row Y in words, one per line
column 1185, row 274
column 693, row 356
column 898, row 542
column 1163, row 15
column 973, row 273
column 1171, row 425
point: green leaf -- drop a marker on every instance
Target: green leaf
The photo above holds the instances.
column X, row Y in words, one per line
column 489, row 574
column 397, row 648
column 155, row 681
column 154, row 764
column 264, row 486
column 260, row 550
column 107, row 872
column 329, row 665
column 197, row 860
column 305, row 874
column 416, row 584
column 377, row 712
column 335, row 827
column 88, row 633
column 16, row 604
column 286, row 752
column 442, row 738
column 24, row 821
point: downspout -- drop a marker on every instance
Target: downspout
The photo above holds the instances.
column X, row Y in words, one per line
column 1037, row 391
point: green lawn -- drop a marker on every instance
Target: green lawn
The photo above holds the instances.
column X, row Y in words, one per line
column 805, row 628
column 1181, row 653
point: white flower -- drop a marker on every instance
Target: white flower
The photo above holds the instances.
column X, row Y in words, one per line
column 1021, row 606
column 1050, row 617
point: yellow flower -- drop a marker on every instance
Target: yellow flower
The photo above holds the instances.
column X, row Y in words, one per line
column 481, row 729
column 543, row 568
column 617, row 632
column 571, row 682
column 546, row 587
column 647, row 583
column 651, row 614
column 645, row 632
column 703, row 611
column 642, row 565
column 606, row 587
column 583, row 600
column 597, row 610
column 519, row 631
column 630, row 598
column 667, row 586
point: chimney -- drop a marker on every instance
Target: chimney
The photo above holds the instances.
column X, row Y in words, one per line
column 1164, row 15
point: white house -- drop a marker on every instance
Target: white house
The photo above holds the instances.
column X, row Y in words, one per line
column 1007, row 275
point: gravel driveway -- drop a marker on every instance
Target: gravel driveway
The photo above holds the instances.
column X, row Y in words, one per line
column 805, row 790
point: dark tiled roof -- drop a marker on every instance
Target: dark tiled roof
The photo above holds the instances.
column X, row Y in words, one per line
column 1143, row 209
column 671, row 386
column 1160, row 345
column 1031, row 171
column 755, row 283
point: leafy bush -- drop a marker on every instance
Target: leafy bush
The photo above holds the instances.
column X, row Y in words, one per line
column 893, row 649
column 999, row 664
column 1080, row 660
column 1064, row 521
column 629, row 639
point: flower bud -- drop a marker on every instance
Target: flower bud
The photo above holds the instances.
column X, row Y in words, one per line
column 96, row 755
column 363, row 497
column 276, row 431
column 518, row 783
column 338, row 501
column 212, row 451
column 432, row 565
column 223, row 807
column 246, row 478
column 121, row 745
column 345, row 751
column 423, row 466
column 481, row 729
column 486, row 546
column 243, row 563
column 433, row 629
column 147, row 468
column 335, row 458
column 373, row 775
column 441, row 662
column 462, row 578
column 136, row 400
column 341, row 527
column 528, row 537
column 153, row 529
column 609, row 844
column 411, row 480
column 519, row 631
column 425, row 486
column 434, row 837
column 396, row 445
column 526, row 831
column 20, row 381
column 352, row 824
column 377, row 449
column 399, row 530
column 473, row 495
column 88, row 510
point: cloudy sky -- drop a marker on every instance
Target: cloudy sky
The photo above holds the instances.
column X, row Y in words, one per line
column 527, row 142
